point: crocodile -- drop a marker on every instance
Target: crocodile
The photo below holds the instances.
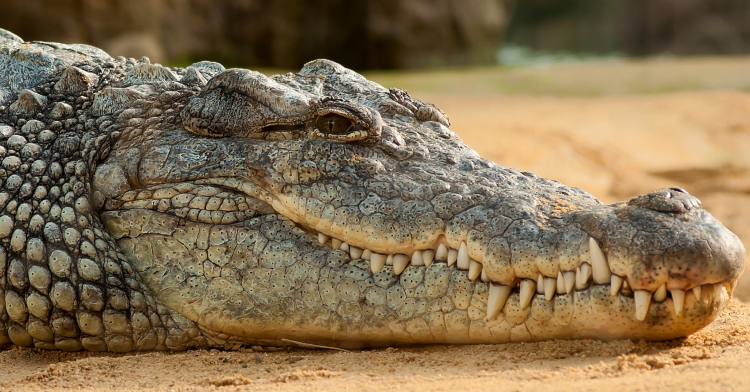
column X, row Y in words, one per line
column 144, row 207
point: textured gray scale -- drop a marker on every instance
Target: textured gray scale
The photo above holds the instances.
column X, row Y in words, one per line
column 152, row 208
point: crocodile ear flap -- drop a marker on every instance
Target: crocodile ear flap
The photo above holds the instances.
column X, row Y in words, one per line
column 240, row 103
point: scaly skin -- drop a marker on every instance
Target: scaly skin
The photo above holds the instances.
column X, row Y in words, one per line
column 151, row 208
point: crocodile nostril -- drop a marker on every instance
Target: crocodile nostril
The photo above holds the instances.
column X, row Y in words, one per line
column 673, row 200
column 676, row 189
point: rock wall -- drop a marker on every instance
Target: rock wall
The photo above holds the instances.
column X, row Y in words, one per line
column 280, row 33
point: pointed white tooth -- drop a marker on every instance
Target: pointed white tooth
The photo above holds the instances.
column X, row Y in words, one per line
column 452, row 256
column 540, row 284
column 600, row 267
column 389, row 260
column 731, row 286
column 560, row 283
column 661, row 293
column 322, row 238
column 428, row 256
column 570, row 281
column 344, row 246
column 400, row 262
column 678, row 298
column 377, row 262
column 483, row 276
column 718, row 288
column 586, row 271
column 616, row 285
column 642, row 301
column 355, row 252
column 463, row 257
column 496, row 300
column 582, row 276
column 442, row 253
column 335, row 243
column 697, row 292
column 366, row 254
column 475, row 269
column 417, row 258
column 625, row 285
column 549, row 288
column 528, row 287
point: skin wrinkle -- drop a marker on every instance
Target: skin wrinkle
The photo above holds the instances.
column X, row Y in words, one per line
column 278, row 281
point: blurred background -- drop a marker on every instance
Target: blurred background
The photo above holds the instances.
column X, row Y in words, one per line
column 385, row 34
column 619, row 97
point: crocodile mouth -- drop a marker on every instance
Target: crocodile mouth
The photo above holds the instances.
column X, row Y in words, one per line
column 595, row 273
column 622, row 306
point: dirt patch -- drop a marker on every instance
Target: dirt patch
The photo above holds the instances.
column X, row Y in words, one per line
column 708, row 360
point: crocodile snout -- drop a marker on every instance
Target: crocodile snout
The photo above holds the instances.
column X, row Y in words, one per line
column 664, row 244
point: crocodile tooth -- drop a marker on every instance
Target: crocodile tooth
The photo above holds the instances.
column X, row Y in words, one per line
column 718, row 287
column 417, row 258
column 428, row 256
column 570, row 281
column 335, row 243
column 661, row 293
column 366, row 254
column 586, row 270
column 355, row 252
column 483, row 276
column 442, row 253
column 377, row 262
column 496, row 300
column 400, row 261
column 452, row 256
column 528, row 287
column 463, row 256
column 322, row 238
column 642, row 301
column 678, row 298
column 560, row 283
column 540, row 284
column 599, row 265
column 616, row 284
column 389, row 260
column 582, row 276
column 697, row 292
column 721, row 289
column 549, row 288
column 344, row 246
column 475, row 269
column 625, row 285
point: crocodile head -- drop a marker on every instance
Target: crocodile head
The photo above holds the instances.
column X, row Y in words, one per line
column 321, row 207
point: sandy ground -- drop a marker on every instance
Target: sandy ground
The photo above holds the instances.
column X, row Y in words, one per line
column 615, row 129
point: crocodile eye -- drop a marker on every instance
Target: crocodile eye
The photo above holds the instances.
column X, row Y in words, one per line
column 334, row 124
